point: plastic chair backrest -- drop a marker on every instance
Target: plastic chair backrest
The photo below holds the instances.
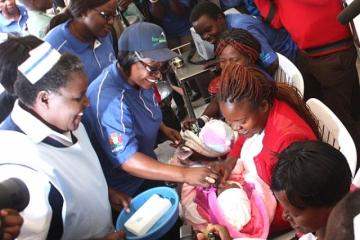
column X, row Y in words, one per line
column 288, row 73
column 334, row 132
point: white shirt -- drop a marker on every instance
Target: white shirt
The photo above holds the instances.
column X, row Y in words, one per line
column 308, row 236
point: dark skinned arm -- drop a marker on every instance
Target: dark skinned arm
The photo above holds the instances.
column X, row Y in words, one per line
column 178, row 8
column 145, row 167
column 271, row 69
column 157, row 10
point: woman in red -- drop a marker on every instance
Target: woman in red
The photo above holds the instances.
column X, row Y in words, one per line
column 268, row 117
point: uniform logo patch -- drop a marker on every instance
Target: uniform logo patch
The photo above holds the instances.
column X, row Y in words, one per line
column 116, row 142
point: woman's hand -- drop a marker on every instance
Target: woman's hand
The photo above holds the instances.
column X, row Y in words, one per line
column 224, row 168
column 120, row 235
column 188, row 123
column 172, row 135
column 119, row 200
column 11, row 222
column 219, row 230
column 200, row 176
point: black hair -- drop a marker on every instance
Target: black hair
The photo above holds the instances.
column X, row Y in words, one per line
column 13, row 52
column 312, row 174
column 75, row 9
column 57, row 77
column 342, row 216
column 126, row 59
column 205, row 8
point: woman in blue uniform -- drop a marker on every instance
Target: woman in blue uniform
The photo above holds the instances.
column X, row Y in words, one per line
column 124, row 117
column 43, row 143
column 86, row 33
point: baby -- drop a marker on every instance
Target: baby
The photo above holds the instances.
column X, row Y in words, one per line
column 240, row 203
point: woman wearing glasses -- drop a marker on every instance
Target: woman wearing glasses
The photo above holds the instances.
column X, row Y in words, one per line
column 84, row 30
column 124, row 118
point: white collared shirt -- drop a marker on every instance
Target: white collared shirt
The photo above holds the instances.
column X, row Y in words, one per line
column 36, row 130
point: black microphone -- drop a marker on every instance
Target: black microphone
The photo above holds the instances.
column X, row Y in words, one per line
column 14, row 194
column 349, row 13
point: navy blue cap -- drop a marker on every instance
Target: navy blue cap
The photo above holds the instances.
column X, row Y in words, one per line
column 148, row 40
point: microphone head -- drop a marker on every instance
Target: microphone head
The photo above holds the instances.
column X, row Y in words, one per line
column 14, row 194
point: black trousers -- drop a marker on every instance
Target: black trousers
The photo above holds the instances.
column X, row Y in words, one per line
column 334, row 80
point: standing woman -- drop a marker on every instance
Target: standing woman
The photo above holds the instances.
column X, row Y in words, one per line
column 84, row 30
column 43, row 143
column 124, row 117
column 268, row 117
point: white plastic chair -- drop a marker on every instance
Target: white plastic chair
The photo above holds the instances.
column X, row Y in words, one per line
column 288, row 73
column 334, row 132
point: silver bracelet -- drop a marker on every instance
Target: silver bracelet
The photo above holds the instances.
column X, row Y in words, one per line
column 154, row 1
column 205, row 118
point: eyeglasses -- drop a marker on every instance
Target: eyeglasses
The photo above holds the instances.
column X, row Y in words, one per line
column 155, row 70
column 109, row 16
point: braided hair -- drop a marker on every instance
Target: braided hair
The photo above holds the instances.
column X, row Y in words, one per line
column 246, row 83
column 242, row 41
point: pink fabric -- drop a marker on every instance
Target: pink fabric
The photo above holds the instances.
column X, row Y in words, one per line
column 200, row 207
column 258, row 227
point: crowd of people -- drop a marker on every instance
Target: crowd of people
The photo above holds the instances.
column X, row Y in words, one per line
column 81, row 115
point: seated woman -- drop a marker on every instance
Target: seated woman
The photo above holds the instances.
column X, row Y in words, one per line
column 310, row 178
column 43, row 143
column 244, row 204
column 125, row 117
column 268, row 116
column 234, row 46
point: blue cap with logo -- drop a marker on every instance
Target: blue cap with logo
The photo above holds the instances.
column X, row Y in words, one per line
column 148, row 40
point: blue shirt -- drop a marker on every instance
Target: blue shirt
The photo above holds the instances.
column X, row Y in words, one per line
column 95, row 58
column 248, row 4
column 122, row 120
column 271, row 40
column 174, row 25
column 10, row 25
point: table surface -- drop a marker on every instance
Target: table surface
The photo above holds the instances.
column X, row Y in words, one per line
column 189, row 70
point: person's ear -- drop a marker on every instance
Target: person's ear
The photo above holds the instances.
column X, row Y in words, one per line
column 221, row 19
column 264, row 106
column 42, row 99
